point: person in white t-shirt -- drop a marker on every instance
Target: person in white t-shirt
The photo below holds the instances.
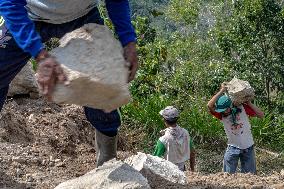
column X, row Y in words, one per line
column 238, row 131
column 175, row 145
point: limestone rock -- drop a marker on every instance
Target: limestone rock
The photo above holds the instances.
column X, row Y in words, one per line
column 240, row 91
column 157, row 170
column 93, row 61
column 24, row 83
column 111, row 175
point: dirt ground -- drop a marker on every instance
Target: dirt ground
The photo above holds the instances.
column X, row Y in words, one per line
column 43, row 144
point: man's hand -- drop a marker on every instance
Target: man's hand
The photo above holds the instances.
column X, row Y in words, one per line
column 49, row 72
column 130, row 56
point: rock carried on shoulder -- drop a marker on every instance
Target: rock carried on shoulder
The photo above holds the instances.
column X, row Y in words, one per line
column 240, row 91
column 112, row 174
column 160, row 173
column 24, row 83
column 95, row 66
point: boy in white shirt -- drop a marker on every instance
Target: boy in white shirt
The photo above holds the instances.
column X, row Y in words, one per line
column 238, row 131
column 175, row 145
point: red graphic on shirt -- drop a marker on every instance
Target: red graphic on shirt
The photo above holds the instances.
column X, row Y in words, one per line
column 236, row 129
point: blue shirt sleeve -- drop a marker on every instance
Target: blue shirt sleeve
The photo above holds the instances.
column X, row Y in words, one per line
column 21, row 27
column 119, row 13
column 26, row 36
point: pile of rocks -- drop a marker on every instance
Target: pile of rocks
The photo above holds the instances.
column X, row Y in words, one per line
column 139, row 171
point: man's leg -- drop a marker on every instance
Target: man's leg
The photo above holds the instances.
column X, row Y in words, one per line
column 248, row 164
column 231, row 159
column 12, row 60
column 106, row 125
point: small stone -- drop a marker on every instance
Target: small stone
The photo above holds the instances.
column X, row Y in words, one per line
column 29, row 178
column 57, row 160
column 282, row 173
column 32, row 118
column 18, row 159
column 29, row 185
column 51, row 163
column 34, row 161
column 44, row 162
column 19, row 172
column 48, row 110
column 60, row 164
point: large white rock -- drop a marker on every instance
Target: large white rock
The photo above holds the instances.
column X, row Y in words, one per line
column 111, row 175
column 240, row 91
column 24, row 83
column 93, row 61
column 158, row 171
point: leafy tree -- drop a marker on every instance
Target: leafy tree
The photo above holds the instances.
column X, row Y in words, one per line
column 253, row 42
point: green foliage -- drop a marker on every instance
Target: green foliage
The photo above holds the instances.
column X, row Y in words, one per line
column 185, row 12
column 269, row 131
column 253, row 43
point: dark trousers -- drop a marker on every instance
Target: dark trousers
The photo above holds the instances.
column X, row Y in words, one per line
column 13, row 59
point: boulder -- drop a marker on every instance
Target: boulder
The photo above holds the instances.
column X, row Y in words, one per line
column 95, row 66
column 159, row 172
column 240, row 91
column 24, row 83
column 111, row 175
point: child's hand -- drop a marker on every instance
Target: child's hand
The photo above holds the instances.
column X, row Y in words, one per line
column 224, row 86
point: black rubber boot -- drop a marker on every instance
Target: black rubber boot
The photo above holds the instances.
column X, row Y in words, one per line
column 106, row 148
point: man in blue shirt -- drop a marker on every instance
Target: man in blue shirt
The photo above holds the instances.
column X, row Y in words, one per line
column 26, row 25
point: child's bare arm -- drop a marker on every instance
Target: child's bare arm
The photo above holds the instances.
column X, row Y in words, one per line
column 211, row 103
column 257, row 110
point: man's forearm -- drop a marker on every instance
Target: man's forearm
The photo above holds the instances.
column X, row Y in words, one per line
column 20, row 26
column 257, row 110
column 211, row 103
column 119, row 13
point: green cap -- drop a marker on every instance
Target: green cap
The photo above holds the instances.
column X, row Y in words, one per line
column 222, row 103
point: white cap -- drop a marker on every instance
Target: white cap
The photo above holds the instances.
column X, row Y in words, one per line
column 169, row 113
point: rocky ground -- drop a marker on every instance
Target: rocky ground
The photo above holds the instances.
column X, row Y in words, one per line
column 43, row 144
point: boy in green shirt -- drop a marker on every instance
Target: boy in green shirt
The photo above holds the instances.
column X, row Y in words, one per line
column 175, row 145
